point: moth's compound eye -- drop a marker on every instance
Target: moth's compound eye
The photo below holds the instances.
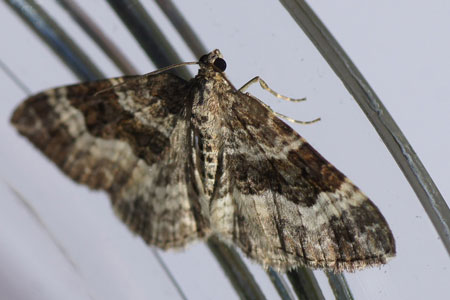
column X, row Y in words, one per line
column 220, row 64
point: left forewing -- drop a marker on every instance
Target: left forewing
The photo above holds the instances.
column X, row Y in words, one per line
column 127, row 136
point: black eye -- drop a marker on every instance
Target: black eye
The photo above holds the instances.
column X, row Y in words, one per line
column 220, row 64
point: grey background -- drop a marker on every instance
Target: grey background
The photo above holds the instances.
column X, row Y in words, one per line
column 79, row 250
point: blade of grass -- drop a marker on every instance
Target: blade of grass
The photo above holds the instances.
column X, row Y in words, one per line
column 97, row 36
column 280, row 285
column 148, row 35
column 405, row 156
column 339, row 286
column 305, row 284
column 55, row 38
column 183, row 27
column 235, row 269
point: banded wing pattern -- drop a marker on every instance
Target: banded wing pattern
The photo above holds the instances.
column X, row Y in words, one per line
column 126, row 136
column 185, row 159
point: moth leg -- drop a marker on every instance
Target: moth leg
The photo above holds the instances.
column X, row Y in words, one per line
column 265, row 86
column 294, row 120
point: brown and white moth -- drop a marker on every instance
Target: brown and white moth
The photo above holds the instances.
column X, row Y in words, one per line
column 183, row 160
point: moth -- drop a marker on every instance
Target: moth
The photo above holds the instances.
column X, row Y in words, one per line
column 184, row 160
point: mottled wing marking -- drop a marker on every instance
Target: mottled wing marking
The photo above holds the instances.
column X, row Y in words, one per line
column 284, row 205
column 183, row 160
column 126, row 136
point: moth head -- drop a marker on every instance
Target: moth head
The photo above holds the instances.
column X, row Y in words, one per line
column 213, row 59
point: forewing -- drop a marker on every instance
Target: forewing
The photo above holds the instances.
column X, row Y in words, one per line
column 126, row 136
column 284, row 205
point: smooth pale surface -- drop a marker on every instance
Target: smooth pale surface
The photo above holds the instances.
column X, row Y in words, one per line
column 77, row 249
